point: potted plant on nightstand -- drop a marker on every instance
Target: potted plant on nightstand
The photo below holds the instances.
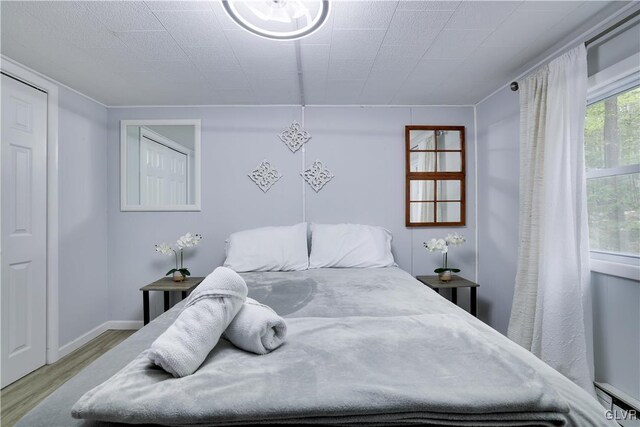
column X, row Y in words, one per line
column 179, row 273
column 445, row 273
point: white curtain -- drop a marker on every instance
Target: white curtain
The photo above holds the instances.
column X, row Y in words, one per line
column 551, row 304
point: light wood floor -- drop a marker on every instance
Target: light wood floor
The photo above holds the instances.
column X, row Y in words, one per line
column 20, row 397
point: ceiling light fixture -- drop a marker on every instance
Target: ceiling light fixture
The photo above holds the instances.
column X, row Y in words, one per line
column 278, row 19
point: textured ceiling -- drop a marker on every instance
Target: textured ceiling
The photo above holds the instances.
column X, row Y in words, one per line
column 369, row 52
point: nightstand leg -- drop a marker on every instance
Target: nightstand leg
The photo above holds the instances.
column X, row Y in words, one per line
column 454, row 295
column 474, row 301
column 166, row 301
column 184, row 294
column 145, row 305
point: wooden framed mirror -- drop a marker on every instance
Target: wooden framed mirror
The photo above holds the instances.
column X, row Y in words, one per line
column 435, row 176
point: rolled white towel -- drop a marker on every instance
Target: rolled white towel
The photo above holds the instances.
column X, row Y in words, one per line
column 257, row 328
column 210, row 308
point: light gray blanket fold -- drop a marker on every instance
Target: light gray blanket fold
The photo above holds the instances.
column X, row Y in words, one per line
column 435, row 369
column 210, row 308
column 257, row 328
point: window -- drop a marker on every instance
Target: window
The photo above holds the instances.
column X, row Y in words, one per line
column 435, row 185
column 612, row 154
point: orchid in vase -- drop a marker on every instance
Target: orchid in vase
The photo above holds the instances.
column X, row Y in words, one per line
column 442, row 245
column 187, row 241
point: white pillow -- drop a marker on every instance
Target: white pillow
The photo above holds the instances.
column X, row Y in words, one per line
column 268, row 249
column 350, row 246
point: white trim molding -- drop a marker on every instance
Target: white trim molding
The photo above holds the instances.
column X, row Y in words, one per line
column 613, row 80
column 627, row 271
column 51, row 88
column 85, row 338
column 290, row 105
column 615, row 171
column 121, row 325
column 616, row 79
column 5, row 59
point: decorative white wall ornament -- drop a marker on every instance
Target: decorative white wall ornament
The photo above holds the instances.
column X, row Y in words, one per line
column 317, row 175
column 265, row 175
column 295, row 137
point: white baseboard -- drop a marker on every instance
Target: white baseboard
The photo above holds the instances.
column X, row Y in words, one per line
column 125, row 324
column 95, row 332
column 81, row 340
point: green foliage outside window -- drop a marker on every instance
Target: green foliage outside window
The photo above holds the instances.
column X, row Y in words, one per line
column 612, row 140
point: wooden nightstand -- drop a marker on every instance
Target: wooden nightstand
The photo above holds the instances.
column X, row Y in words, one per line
column 457, row 282
column 167, row 285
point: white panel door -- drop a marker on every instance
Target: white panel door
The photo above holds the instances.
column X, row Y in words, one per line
column 24, row 233
column 163, row 174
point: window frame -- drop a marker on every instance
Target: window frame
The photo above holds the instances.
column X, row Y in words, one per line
column 614, row 80
column 435, row 176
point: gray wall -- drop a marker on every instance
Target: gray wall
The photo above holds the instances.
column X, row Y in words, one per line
column 82, row 150
column 363, row 147
column 616, row 324
column 498, row 197
column 616, row 318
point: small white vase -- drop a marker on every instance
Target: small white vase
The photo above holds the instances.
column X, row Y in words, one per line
column 178, row 277
column 445, row 276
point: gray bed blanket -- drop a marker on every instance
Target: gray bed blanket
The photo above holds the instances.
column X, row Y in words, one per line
column 365, row 347
column 415, row 367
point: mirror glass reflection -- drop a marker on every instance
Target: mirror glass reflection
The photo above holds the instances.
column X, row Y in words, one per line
column 422, row 161
column 448, row 212
column 448, row 139
column 449, row 190
column 449, row 161
column 422, row 212
column 422, row 140
column 422, row 190
column 160, row 165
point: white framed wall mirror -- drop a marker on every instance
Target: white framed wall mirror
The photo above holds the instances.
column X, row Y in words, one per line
column 160, row 165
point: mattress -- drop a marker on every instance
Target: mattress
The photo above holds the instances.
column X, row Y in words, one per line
column 381, row 309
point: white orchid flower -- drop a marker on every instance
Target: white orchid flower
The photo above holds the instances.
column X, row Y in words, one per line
column 188, row 240
column 430, row 245
column 436, row 245
column 455, row 239
column 164, row 249
column 442, row 245
column 185, row 241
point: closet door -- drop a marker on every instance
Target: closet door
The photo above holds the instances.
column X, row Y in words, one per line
column 163, row 171
column 24, row 233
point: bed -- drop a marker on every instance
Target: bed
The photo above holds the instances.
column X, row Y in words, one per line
column 365, row 347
